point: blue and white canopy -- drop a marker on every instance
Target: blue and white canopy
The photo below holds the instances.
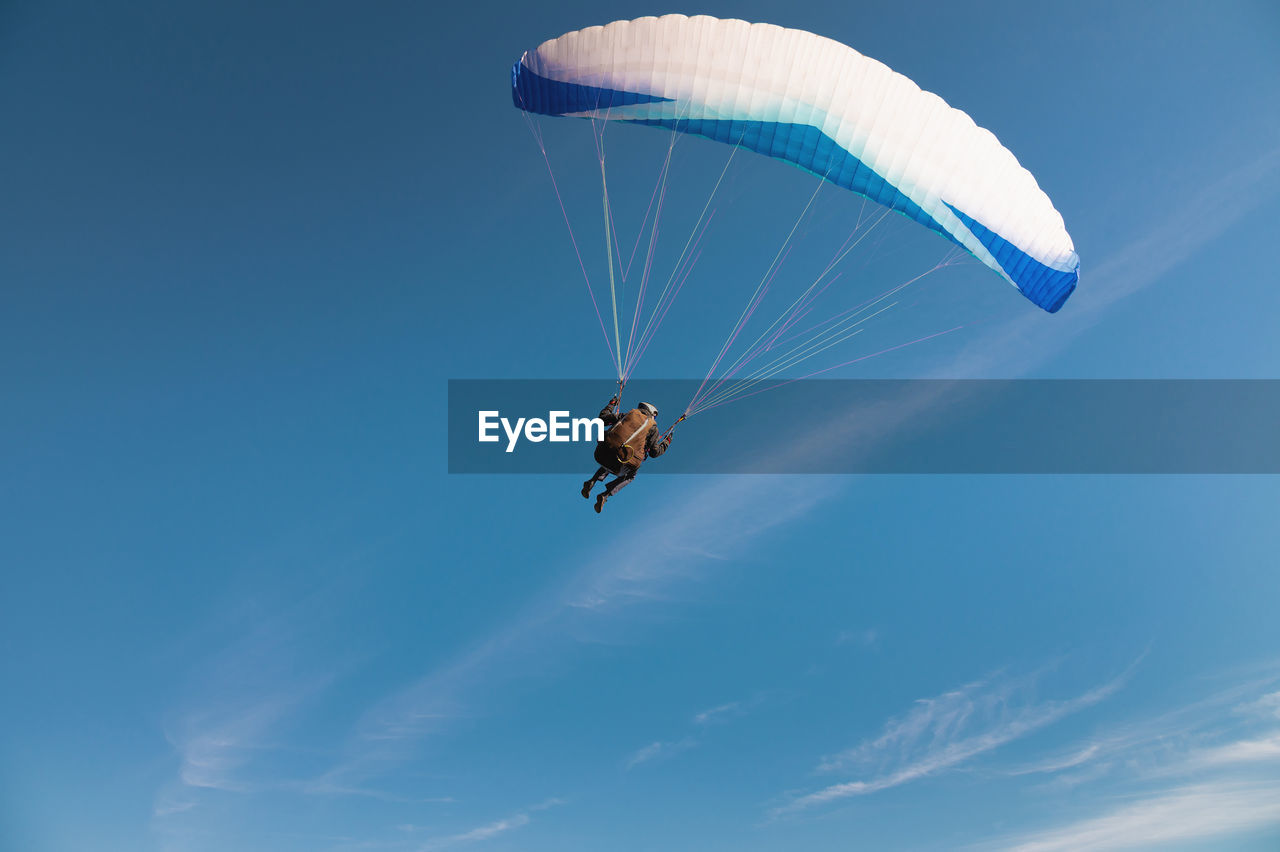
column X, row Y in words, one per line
column 826, row 108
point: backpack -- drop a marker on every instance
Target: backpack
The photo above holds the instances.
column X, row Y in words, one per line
column 624, row 443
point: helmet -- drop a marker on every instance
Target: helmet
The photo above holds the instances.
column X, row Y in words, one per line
column 648, row 408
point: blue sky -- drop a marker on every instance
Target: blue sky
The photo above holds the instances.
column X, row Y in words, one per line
column 243, row 607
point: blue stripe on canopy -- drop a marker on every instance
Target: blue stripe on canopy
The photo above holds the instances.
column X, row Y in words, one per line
column 809, row 148
column 532, row 92
column 1044, row 285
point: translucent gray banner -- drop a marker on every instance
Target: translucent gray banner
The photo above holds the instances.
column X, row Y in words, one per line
column 886, row 426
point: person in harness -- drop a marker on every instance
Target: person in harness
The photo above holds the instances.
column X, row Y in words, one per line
column 630, row 438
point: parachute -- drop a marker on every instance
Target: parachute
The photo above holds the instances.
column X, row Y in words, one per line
column 823, row 106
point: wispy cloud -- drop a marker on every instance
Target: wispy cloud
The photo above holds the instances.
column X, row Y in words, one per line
column 489, row 830
column 483, row 832
column 1203, row 770
column 237, row 704
column 946, row 731
column 212, row 750
column 1175, row 816
column 1240, row 751
column 662, row 749
column 1170, row 741
column 1267, row 705
column 718, row 713
column 169, row 807
column 1070, row 760
column 866, row 638
column 658, row 749
column 236, row 716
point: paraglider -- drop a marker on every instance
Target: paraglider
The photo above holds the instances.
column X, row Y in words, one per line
column 816, row 104
column 631, row 438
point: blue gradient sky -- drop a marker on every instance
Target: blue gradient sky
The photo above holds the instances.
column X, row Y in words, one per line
column 243, row 607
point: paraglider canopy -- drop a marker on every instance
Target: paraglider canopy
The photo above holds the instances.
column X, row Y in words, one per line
column 823, row 106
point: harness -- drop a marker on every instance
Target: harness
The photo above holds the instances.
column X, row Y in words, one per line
column 625, row 452
column 613, row 454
